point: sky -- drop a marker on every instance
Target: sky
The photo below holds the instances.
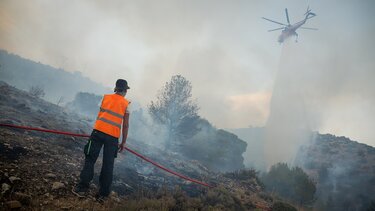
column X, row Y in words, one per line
column 222, row 47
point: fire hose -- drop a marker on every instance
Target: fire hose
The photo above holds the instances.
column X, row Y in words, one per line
column 127, row 148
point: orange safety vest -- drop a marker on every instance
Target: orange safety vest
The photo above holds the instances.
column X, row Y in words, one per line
column 111, row 114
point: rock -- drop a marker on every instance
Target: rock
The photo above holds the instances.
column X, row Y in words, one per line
column 114, row 196
column 57, row 185
column 50, row 175
column 14, row 179
column 23, row 198
column 4, row 188
column 67, row 207
column 29, row 138
column 13, row 204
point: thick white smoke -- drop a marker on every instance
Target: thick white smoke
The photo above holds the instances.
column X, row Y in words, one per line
column 288, row 124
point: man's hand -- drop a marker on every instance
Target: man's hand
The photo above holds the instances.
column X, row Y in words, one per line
column 121, row 146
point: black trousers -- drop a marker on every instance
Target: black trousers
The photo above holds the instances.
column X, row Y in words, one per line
column 92, row 150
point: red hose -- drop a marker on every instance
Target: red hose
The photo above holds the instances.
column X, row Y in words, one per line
column 44, row 130
column 128, row 149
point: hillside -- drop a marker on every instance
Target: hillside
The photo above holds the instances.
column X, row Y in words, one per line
column 344, row 170
column 58, row 84
column 38, row 170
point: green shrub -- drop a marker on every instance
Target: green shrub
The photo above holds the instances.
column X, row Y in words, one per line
column 290, row 183
column 219, row 197
column 281, row 206
column 214, row 199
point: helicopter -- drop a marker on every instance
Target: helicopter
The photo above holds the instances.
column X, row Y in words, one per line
column 289, row 30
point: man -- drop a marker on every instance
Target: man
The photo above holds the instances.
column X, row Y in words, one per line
column 107, row 129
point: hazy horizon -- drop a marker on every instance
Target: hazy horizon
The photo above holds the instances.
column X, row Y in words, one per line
column 222, row 47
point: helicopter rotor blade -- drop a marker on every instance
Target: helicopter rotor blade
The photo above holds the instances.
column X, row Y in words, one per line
column 274, row 21
column 276, row 29
column 308, row 28
column 287, row 16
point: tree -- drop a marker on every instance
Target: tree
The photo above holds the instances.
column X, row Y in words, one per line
column 175, row 109
column 291, row 183
column 304, row 188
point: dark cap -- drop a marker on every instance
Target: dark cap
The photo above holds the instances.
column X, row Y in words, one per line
column 122, row 84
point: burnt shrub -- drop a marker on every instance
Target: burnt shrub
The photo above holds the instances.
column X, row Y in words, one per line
column 37, row 91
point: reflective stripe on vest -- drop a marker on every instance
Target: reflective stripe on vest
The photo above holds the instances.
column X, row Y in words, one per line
column 111, row 114
column 109, row 122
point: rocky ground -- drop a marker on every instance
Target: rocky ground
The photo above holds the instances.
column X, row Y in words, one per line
column 38, row 170
column 344, row 171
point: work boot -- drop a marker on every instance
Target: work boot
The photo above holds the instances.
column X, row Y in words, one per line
column 100, row 198
column 80, row 191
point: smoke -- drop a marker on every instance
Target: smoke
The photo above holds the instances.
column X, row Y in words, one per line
column 221, row 46
column 288, row 125
column 147, row 42
column 144, row 129
column 342, row 169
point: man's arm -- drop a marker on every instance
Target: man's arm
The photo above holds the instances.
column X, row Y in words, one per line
column 125, row 128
